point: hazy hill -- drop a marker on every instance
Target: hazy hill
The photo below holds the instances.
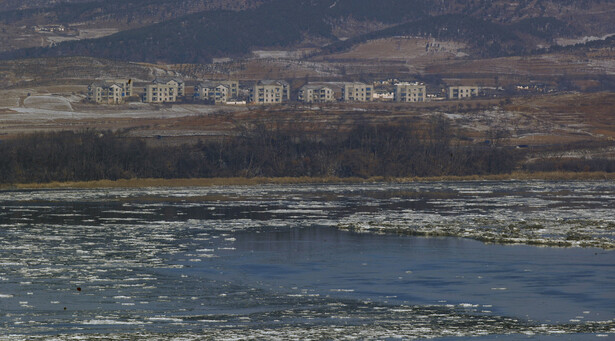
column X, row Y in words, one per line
column 119, row 12
column 8, row 5
column 184, row 32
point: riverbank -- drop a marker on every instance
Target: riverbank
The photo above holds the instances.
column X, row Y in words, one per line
column 206, row 182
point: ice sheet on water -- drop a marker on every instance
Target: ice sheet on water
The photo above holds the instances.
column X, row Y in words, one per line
column 109, row 322
column 579, row 213
column 133, row 233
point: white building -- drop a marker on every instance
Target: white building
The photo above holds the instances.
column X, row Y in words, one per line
column 212, row 92
column 160, row 93
column 178, row 84
column 459, row 92
column 357, row 92
column 109, row 92
column 164, row 90
column 125, row 84
column 233, row 87
column 410, row 92
column 315, row 94
column 270, row 92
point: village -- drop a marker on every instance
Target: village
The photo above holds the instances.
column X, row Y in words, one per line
column 267, row 92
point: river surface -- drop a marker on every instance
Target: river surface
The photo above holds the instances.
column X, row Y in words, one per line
column 308, row 262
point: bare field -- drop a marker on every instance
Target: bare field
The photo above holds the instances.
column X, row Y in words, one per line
column 403, row 49
column 16, row 97
column 86, row 33
column 592, row 113
column 543, row 65
column 383, row 59
column 52, row 96
column 534, row 121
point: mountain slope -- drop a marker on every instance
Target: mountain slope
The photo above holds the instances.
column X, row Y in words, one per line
column 9, row 5
column 491, row 27
column 486, row 39
column 199, row 37
column 119, row 12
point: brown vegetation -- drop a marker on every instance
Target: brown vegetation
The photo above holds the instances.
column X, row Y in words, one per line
column 364, row 151
column 208, row 182
column 595, row 111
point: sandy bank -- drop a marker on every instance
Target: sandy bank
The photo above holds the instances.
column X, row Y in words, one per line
column 204, row 182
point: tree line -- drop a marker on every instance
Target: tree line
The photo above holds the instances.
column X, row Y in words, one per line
column 400, row 150
column 366, row 150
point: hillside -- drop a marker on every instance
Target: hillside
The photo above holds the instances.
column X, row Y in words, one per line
column 119, row 12
column 79, row 70
column 8, row 5
column 487, row 39
column 93, row 19
column 199, row 37
column 198, row 30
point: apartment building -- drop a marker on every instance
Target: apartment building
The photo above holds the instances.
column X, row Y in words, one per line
column 178, row 84
column 164, row 90
column 315, row 94
column 125, row 84
column 233, row 87
column 459, row 92
column 160, row 93
column 270, row 92
column 213, row 92
column 106, row 93
column 357, row 92
column 410, row 92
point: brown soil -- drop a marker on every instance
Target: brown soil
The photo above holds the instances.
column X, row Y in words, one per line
column 594, row 112
column 206, row 182
column 403, row 49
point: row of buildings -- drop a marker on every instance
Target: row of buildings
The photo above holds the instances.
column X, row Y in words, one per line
column 118, row 91
column 264, row 92
column 360, row 92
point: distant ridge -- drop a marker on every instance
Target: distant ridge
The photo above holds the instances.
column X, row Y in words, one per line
column 490, row 28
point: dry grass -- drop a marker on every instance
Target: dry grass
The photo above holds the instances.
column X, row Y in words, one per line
column 401, row 49
column 563, row 176
column 198, row 182
column 206, row 182
column 516, row 67
column 592, row 110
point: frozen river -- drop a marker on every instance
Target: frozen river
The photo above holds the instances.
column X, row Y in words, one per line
column 449, row 261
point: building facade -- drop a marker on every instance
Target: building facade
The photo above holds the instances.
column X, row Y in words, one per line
column 160, row 93
column 215, row 93
column 410, row 92
column 357, row 92
column 233, row 87
column 315, row 94
column 126, row 85
column 459, row 92
column 270, row 92
column 178, row 84
column 106, row 93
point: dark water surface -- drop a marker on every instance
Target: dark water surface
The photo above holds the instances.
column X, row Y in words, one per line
column 269, row 262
